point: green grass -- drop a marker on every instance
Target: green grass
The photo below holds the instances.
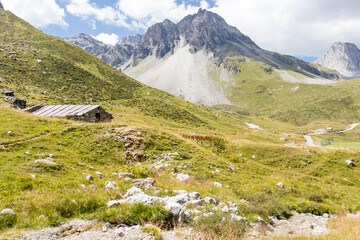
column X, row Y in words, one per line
column 45, row 196
column 257, row 93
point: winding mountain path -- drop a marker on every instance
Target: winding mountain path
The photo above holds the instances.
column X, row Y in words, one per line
column 310, row 142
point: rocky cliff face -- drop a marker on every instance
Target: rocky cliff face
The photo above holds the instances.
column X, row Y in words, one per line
column 343, row 57
column 208, row 31
column 189, row 59
column 89, row 43
column 1, row 6
column 113, row 55
column 131, row 39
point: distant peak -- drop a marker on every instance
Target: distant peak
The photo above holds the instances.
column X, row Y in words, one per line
column 1, row 6
column 82, row 35
column 168, row 22
column 344, row 44
column 201, row 11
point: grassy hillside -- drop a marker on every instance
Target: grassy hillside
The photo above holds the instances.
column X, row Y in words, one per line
column 207, row 141
column 44, row 195
column 46, row 70
column 260, row 93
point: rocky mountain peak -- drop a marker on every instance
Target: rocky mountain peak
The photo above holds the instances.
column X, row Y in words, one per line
column 343, row 57
column 130, row 39
column 1, row 6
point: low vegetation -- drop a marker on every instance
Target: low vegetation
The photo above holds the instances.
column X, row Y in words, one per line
column 210, row 145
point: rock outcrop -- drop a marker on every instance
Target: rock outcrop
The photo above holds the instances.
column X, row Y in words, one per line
column 113, row 55
column 343, row 57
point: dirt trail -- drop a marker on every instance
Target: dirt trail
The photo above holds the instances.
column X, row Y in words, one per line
column 310, row 142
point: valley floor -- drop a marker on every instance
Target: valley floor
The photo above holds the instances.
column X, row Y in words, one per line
column 229, row 179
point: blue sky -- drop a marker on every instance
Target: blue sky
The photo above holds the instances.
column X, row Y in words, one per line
column 296, row 27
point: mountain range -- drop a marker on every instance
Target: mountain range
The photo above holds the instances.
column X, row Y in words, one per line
column 198, row 58
column 249, row 161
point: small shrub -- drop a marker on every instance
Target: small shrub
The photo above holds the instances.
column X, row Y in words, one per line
column 316, row 198
column 139, row 214
column 152, row 230
column 214, row 227
column 7, row 221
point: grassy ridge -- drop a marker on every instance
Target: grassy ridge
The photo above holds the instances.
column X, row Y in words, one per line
column 259, row 93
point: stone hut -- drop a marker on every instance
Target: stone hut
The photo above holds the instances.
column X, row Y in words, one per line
column 85, row 113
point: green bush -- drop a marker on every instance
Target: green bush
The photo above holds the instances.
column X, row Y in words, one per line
column 215, row 227
column 139, row 214
column 7, row 221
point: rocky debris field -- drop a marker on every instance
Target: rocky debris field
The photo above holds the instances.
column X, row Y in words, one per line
column 299, row 225
column 78, row 229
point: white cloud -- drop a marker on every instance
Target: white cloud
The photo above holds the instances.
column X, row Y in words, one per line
column 111, row 39
column 135, row 14
column 144, row 13
column 87, row 10
column 39, row 13
column 294, row 27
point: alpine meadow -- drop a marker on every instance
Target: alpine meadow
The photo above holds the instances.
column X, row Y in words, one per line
column 211, row 136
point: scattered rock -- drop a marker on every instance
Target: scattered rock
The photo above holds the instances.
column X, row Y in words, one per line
column 47, row 161
column 99, row 174
column 7, row 211
column 89, row 178
column 232, row 168
column 199, row 202
column 254, row 157
column 133, row 191
column 195, row 196
column 125, row 175
column 350, row 163
column 244, row 201
column 209, row 200
column 188, row 214
column 109, row 185
column 113, row 203
column 127, row 145
column 182, row 177
column 16, row 102
column 216, row 184
column 177, row 210
column 283, row 139
column 8, row 93
column 1, row 80
column 261, row 221
column 143, row 182
column 280, row 184
column 235, row 217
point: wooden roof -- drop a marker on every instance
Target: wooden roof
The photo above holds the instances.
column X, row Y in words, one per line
column 63, row 110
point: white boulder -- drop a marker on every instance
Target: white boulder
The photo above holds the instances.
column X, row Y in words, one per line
column 109, row 185
column 182, row 177
column 7, row 211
